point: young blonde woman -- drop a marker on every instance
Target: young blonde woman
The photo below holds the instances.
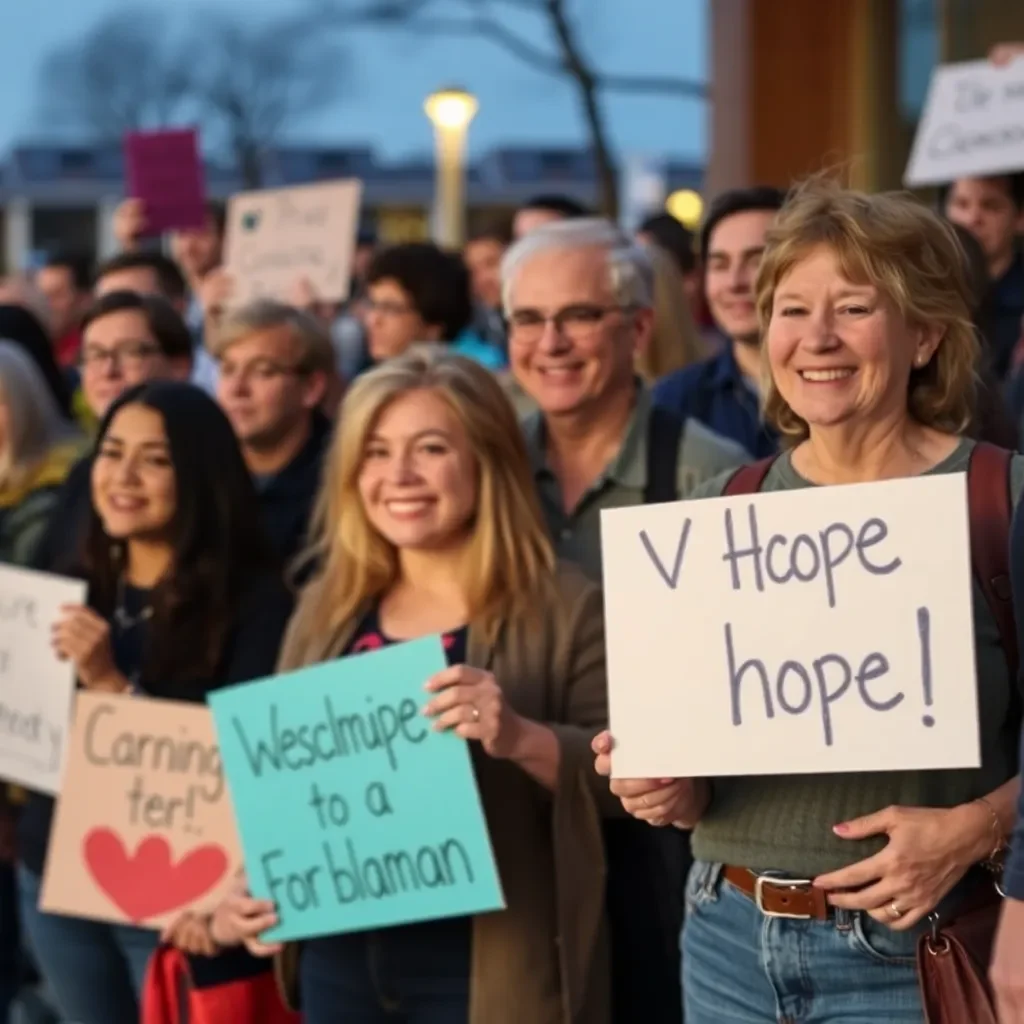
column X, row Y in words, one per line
column 427, row 524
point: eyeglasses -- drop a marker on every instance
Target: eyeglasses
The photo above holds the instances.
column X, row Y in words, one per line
column 259, row 370
column 576, row 323
column 129, row 355
column 387, row 308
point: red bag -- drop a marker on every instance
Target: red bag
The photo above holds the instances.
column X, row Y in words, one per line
column 169, row 997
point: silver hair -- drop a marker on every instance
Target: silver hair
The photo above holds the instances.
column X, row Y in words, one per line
column 632, row 276
column 36, row 423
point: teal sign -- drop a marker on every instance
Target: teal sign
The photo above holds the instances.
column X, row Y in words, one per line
column 353, row 812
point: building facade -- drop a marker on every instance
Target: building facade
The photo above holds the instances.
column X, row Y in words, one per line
column 803, row 86
column 63, row 197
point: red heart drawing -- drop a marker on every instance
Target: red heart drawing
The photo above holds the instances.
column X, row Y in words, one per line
column 147, row 884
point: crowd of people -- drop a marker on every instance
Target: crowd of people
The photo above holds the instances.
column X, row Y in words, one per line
column 254, row 489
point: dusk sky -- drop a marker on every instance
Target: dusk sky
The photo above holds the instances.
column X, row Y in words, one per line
column 391, row 72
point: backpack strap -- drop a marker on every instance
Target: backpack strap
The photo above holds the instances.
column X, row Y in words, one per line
column 991, row 511
column 664, row 436
column 748, row 479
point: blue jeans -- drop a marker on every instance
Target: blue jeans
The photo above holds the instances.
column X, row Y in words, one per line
column 412, row 974
column 95, row 970
column 742, row 967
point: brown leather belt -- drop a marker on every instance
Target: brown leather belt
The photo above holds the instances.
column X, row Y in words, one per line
column 780, row 897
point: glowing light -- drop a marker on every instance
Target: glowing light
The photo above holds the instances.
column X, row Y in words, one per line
column 451, row 108
column 686, row 206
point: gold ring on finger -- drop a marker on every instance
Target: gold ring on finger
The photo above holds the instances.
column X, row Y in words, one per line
column 894, row 910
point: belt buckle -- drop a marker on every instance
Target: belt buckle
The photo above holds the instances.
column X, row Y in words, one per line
column 779, row 883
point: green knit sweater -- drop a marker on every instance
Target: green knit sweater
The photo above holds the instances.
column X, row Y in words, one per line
column 784, row 823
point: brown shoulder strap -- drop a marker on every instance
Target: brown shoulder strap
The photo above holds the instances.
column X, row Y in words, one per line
column 990, row 509
column 748, row 479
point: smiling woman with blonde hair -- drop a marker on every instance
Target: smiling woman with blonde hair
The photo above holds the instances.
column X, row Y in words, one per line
column 427, row 523
column 809, row 892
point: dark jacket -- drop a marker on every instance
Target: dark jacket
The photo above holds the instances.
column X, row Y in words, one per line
column 714, row 393
column 1005, row 313
column 287, row 497
column 26, row 508
column 61, row 541
column 1013, row 874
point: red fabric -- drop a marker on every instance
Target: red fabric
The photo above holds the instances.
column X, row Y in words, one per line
column 251, row 1001
column 67, row 348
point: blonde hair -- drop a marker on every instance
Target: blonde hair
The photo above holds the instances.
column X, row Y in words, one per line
column 267, row 314
column 895, row 244
column 509, row 562
column 35, row 423
column 675, row 341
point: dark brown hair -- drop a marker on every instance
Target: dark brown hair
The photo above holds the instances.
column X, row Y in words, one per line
column 217, row 534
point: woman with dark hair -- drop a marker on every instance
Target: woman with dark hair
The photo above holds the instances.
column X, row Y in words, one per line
column 184, row 596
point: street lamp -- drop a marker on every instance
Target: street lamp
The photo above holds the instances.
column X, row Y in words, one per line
column 686, row 206
column 450, row 111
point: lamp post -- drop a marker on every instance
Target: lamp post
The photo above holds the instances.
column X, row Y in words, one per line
column 450, row 111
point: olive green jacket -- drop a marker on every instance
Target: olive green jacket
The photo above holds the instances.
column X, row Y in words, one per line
column 544, row 959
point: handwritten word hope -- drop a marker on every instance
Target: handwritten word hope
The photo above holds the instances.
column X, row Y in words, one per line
column 799, row 687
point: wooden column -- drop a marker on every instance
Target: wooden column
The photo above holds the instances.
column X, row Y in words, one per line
column 802, row 86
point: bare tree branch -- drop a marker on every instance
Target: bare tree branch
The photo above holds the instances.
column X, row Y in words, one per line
column 566, row 58
column 652, row 85
column 82, row 86
column 257, row 80
column 488, row 28
column 480, row 21
column 244, row 83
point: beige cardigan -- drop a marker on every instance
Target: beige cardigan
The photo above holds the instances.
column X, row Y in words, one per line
column 544, row 959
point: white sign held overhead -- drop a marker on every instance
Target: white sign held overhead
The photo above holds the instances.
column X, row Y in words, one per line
column 826, row 629
column 972, row 124
column 277, row 238
column 36, row 688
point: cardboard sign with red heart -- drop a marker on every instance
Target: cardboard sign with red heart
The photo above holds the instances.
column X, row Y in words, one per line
column 143, row 829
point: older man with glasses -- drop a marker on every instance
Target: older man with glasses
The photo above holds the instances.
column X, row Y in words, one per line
column 578, row 298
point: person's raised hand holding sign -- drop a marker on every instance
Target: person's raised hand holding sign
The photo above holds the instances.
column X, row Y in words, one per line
column 471, row 702
column 129, row 223
column 83, row 638
column 659, row 802
column 1005, row 53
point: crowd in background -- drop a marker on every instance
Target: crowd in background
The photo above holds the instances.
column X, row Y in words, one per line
column 257, row 488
